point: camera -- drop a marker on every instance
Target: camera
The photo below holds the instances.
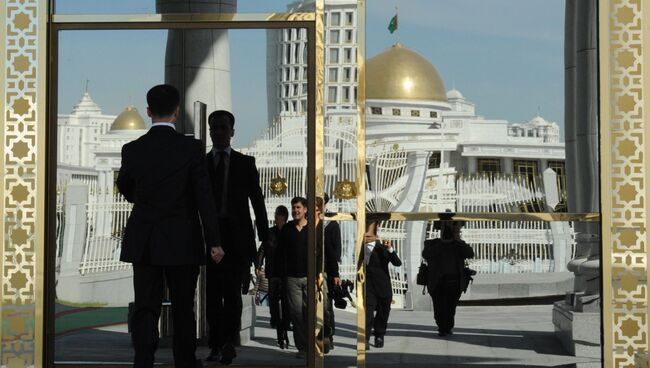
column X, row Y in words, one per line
column 339, row 293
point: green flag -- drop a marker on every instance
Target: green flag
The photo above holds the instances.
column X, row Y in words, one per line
column 392, row 26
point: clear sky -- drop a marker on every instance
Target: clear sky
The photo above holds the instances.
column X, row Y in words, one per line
column 504, row 55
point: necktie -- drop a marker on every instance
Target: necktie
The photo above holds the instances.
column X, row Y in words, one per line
column 220, row 174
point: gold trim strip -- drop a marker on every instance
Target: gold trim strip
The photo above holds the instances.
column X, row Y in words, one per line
column 319, row 132
column 183, row 17
column 605, row 184
column 361, row 183
column 466, row 216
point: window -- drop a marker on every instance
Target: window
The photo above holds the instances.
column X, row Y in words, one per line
column 333, row 75
column 491, row 165
column 296, row 52
column 397, row 112
column 303, row 105
column 287, row 74
column 346, row 94
column 349, row 18
column 304, row 88
column 295, row 90
column 434, row 160
column 527, row 168
column 415, row 113
column 334, row 55
column 295, row 106
column 433, row 114
column 304, row 56
column 335, row 37
column 347, row 55
column 331, row 95
column 347, row 74
column 287, row 54
column 348, row 36
column 336, row 19
column 286, row 90
column 296, row 73
column 375, row 110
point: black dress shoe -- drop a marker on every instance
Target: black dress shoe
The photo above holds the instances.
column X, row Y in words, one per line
column 379, row 341
column 228, row 353
column 214, row 355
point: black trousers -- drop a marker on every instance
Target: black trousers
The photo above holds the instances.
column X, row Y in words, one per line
column 445, row 299
column 278, row 305
column 148, row 287
column 377, row 322
column 223, row 303
column 330, row 323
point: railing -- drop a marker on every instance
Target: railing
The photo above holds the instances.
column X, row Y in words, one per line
column 104, row 229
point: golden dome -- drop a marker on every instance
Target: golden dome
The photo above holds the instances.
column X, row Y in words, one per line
column 129, row 119
column 402, row 74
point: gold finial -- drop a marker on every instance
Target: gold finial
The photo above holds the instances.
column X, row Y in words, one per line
column 345, row 189
column 278, row 185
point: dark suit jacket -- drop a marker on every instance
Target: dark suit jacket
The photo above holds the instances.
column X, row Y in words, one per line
column 243, row 185
column 377, row 276
column 332, row 248
column 435, row 250
column 164, row 175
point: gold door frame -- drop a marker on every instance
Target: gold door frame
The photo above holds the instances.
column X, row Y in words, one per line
column 624, row 35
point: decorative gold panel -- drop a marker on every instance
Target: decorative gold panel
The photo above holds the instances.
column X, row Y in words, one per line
column 22, row 86
column 624, row 175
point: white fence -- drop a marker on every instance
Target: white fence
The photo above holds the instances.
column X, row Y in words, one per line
column 104, row 229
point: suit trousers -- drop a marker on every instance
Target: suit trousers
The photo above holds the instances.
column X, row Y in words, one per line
column 148, row 287
column 377, row 322
column 330, row 323
column 297, row 299
column 445, row 299
column 223, row 303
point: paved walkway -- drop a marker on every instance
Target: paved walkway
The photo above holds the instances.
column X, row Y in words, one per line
column 512, row 336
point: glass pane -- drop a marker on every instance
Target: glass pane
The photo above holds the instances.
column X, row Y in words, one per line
column 478, row 121
column 182, row 6
column 102, row 106
column 534, row 291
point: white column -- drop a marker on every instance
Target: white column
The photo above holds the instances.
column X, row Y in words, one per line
column 507, row 165
column 471, row 165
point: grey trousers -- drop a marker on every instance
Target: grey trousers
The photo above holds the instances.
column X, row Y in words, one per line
column 297, row 299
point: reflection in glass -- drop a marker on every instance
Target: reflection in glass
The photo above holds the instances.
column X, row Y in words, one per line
column 515, row 302
column 94, row 289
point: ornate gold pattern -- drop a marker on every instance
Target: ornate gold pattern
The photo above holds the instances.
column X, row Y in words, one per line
column 21, row 101
column 345, row 189
column 278, row 185
column 624, row 181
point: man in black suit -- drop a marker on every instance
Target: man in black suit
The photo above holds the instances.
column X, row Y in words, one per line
column 235, row 181
column 332, row 258
column 164, row 175
column 379, row 291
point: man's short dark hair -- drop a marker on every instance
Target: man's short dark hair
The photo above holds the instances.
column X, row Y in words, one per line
column 163, row 99
column 216, row 116
column 282, row 211
column 301, row 200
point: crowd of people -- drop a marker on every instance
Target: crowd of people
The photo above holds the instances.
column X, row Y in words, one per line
column 192, row 209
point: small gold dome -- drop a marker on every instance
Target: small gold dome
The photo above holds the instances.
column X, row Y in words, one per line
column 402, row 74
column 129, row 119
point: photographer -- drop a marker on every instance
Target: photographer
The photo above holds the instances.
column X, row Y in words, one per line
column 445, row 257
column 379, row 291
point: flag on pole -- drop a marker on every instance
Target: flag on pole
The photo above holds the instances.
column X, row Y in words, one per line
column 392, row 26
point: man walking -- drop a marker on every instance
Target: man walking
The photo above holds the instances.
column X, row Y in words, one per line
column 235, row 181
column 164, row 175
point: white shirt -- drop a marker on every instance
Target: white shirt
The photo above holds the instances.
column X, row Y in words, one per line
column 163, row 123
column 369, row 248
column 226, row 163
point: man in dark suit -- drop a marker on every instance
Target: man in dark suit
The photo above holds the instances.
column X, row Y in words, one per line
column 332, row 258
column 164, row 175
column 235, row 181
column 379, row 291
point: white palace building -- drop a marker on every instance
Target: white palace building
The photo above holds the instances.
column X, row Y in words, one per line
column 427, row 151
